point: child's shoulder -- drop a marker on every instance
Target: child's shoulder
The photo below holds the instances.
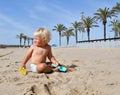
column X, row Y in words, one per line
column 48, row 46
column 32, row 46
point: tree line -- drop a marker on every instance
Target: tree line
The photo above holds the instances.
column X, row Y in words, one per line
column 86, row 24
column 25, row 38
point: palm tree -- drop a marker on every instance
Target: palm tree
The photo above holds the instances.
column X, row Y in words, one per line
column 25, row 38
column 59, row 28
column 82, row 29
column 118, row 28
column 32, row 40
column 102, row 15
column 68, row 33
column 20, row 36
column 114, row 25
column 89, row 23
column 117, row 7
column 76, row 26
column 28, row 40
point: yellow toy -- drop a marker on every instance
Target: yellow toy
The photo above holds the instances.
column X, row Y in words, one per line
column 23, row 71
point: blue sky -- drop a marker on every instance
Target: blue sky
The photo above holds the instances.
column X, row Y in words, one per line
column 26, row 16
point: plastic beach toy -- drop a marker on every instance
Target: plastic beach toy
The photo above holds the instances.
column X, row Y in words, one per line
column 23, row 71
column 54, row 65
column 61, row 68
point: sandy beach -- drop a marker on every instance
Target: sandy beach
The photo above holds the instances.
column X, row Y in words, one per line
column 97, row 73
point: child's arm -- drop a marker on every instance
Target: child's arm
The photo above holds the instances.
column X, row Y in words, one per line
column 52, row 58
column 27, row 57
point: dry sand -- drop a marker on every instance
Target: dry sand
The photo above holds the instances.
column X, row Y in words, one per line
column 97, row 73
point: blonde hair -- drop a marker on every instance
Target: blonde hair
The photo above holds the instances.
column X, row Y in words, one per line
column 43, row 33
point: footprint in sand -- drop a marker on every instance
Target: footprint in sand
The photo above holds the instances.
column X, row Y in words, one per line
column 6, row 54
column 41, row 90
column 76, row 60
column 30, row 91
column 3, row 79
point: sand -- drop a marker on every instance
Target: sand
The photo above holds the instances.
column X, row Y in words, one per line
column 97, row 73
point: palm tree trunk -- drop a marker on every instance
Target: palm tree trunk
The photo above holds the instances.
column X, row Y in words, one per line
column 76, row 36
column 59, row 38
column 67, row 40
column 88, row 31
column 32, row 40
column 116, row 34
column 28, row 42
column 104, row 31
column 20, row 41
column 82, row 36
column 24, row 43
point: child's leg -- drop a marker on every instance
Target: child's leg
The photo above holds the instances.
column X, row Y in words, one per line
column 70, row 69
column 43, row 67
column 56, row 70
column 48, row 70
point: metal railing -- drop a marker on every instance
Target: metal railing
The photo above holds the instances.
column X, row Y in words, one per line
column 100, row 43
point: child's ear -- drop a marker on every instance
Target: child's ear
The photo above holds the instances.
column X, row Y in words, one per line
column 44, row 39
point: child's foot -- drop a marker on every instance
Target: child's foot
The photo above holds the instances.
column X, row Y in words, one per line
column 71, row 69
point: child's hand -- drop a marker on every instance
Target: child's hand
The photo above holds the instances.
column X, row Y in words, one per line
column 58, row 64
column 23, row 66
column 23, row 70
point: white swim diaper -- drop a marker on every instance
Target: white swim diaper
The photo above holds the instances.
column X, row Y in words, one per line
column 33, row 67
